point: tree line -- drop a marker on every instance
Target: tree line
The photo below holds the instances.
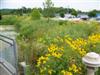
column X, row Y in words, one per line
column 48, row 11
column 53, row 11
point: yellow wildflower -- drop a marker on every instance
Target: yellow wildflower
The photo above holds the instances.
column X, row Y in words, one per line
column 68, row 73
column 50, row 71
column 52, row 48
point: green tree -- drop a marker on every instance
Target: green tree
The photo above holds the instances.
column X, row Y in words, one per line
column 74, row 13
column 92, row 13
column 40, row 10
column 0, row 17
column 35, row 15
column 62, row 15
column 48, row 8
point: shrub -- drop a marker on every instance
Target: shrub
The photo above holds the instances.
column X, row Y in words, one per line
column 0, row 17
column 9, row 20
column 62, row 22
column 47, row 45
column 62, row 15
column 35, row 15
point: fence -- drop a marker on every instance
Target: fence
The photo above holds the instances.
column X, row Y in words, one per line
column 8, row 57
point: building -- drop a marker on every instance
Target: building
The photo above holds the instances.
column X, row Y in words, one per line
column 83, row 16
column 98, row 16
column 69, row 16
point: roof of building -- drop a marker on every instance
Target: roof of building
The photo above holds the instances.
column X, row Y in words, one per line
column 98, row 14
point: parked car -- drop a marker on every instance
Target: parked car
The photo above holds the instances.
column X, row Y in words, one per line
column 83, row 16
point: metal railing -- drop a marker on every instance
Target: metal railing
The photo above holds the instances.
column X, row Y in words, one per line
column 8, row 52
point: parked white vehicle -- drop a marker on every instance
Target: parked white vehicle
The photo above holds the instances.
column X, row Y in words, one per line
column 83, row 16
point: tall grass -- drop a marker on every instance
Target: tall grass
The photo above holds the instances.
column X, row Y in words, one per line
column 9, row 20
column 32, row 32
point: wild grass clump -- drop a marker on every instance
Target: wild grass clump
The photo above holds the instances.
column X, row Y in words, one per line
column 35, row 15
column 9, row 20
column 37, row 36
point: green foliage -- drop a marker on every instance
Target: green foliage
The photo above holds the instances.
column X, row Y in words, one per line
column 48, row 12
column 48, row 4
column 9, row 20
column 62, row 22
column 0, row 16
column 28, row 70
column 74, row 13
column 80, row 30
column 35, row 15
column 6, row 11
column 36, row 35
column 98, row 72
column 24, row 9
column 48, row 9
column 62, row 15
column 30, row 31
column 92, row 13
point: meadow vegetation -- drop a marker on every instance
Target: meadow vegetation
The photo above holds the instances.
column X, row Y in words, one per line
column 54, row 47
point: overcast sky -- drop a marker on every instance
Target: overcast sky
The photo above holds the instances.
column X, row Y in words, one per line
column 84, row 5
